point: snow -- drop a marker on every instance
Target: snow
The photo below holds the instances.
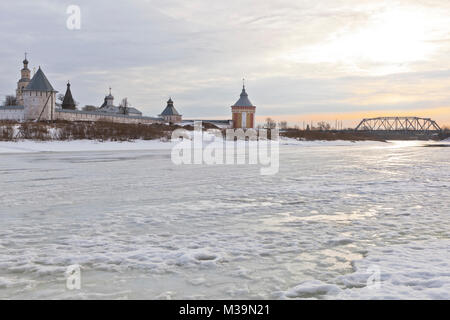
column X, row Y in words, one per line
column 142, row 228
column 29, row 146
column 417, row 270
column 311, row 288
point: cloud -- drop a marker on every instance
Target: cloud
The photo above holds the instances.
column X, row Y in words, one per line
column 299, row 57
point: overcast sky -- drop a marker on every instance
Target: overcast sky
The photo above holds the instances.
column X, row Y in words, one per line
column 302, row 60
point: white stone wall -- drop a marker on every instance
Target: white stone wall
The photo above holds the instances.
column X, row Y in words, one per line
column 85, row 116
column 11, row 114
column 34, row 102
column 172, row 119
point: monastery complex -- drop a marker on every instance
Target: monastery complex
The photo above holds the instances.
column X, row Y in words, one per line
column 36, row 100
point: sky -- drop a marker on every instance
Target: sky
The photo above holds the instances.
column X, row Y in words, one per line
column 302, row 60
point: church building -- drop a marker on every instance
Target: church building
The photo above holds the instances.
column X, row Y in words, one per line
column 68, row 102
column 109, row 107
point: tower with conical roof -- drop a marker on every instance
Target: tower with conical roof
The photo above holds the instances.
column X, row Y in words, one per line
column 68, row 102
column 243, row 112
column 23, row 82
column 170, row 114
column 39, row 98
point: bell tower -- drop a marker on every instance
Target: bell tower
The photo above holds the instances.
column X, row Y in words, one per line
column 23, row 82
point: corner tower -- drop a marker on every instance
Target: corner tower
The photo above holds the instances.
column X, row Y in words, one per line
column 39, row 98
column 23, row 82
column 243, row 112
column 170, row 114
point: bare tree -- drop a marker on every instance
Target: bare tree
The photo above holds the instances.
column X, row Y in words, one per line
column 124, row 106
column 323, row 126
column 10, row 100
column 282, row 125
column 270, row 123
column 60, row 98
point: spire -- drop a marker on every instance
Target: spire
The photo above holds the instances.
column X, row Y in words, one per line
column 243, row 93
column 109, row 96
column 68, row 102
column 109, row 99
column 243, row 100
column 25, row 61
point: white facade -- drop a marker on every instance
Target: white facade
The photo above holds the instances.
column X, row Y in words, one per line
column 39, row 105
column 76, row 115
column 12, row 113
column 37, row 100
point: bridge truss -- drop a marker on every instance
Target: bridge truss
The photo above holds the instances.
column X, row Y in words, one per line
column 399, row 124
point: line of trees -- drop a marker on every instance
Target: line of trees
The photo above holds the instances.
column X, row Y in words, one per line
column 282, row 125
column 10, row 100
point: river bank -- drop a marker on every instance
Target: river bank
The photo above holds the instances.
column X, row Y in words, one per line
column 106, row 131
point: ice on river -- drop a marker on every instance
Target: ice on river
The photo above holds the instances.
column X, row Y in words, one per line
column 333, row 218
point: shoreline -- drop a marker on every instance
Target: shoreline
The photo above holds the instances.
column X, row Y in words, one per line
column 32, row 146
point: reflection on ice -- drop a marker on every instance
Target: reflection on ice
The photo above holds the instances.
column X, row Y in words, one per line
column 283, row 218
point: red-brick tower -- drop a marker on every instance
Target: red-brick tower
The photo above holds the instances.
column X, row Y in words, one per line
column 243, row 112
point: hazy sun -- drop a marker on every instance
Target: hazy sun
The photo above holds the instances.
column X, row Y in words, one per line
column 391, row 37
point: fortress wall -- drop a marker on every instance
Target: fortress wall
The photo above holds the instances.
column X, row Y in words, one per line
column 94, row 116
column 14, row 114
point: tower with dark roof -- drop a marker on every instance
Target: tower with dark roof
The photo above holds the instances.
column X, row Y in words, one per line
column 23, row 82
column 39, row 98
column 243, row 112
column 170, row 114
column 68, row 102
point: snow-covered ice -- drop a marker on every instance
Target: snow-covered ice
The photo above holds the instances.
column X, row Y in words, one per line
column 141, row 227
column 27, row 146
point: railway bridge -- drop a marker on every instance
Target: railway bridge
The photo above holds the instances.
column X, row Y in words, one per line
column 410, row 125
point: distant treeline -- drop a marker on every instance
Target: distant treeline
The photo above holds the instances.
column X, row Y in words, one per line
column 107, row 131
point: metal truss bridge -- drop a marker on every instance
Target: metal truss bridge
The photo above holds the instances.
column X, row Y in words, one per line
column 399, row 124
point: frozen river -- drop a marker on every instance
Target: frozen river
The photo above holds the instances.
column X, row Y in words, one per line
column 332, row 220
